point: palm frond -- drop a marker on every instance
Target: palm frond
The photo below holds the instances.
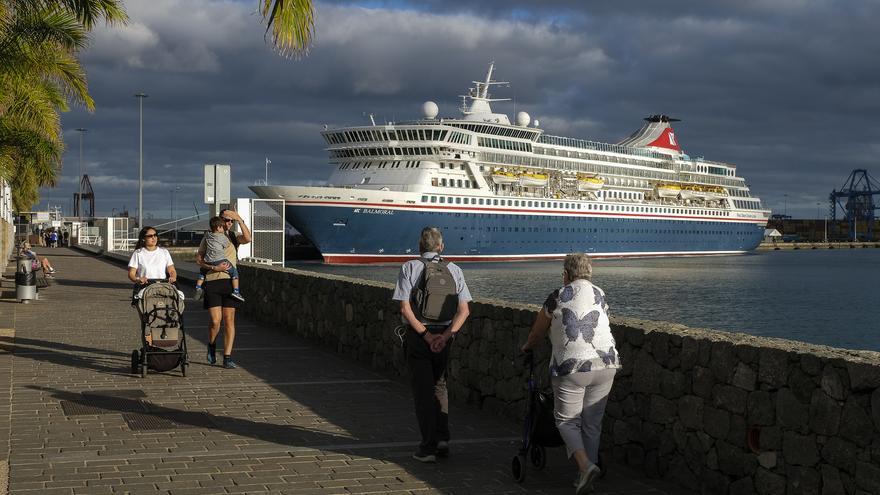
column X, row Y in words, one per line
column 291, row 23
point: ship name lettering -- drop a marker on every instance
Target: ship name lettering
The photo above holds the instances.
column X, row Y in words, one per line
column 374, row 211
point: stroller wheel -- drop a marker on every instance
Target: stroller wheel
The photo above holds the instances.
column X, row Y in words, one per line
column 538, row 456
column 183, row 368
column 518, row 468
column 135, row 361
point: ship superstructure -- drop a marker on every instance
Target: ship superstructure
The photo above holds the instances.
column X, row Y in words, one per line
column 502, row 190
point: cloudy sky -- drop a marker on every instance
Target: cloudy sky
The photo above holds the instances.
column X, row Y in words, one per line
column 787, row 90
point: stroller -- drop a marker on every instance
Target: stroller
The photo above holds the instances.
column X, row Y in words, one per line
column 160, row 307
column 539, row 426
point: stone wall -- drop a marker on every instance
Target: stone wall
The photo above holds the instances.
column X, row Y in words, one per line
column 716, row 412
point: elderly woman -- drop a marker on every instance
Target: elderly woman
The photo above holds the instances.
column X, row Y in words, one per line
column 26, row 251
column 583, row 363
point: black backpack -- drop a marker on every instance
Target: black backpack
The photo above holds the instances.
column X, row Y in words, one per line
column 436, row 297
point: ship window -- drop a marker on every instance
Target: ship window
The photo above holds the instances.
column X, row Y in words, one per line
column 443, row 182
column 458, row 201
column 442, row 199
column 434, row 199
column 449, row 200
column 424, row 199
column 495, row 202
column 481, row 200
column 458, row 183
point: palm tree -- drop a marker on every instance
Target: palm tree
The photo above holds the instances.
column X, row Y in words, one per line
column 39, row 75
column 292, row 23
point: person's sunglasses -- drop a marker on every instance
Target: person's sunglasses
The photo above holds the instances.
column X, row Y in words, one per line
column 228, row 220
column 151, row 235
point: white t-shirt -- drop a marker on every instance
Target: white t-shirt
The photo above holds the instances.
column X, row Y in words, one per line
column 151, row 264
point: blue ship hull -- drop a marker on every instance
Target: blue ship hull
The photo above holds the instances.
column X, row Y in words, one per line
column 349, row 234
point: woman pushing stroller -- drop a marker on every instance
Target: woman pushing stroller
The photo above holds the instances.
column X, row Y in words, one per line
column 583, row 363
column 149, row 262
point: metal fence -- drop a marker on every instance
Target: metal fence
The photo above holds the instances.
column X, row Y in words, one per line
column 267, row 226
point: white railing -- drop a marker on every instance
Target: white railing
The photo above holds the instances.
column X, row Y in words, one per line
column 123, row 244
column 92, row 240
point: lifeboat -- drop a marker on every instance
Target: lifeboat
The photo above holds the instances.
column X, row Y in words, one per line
column 502, row 177
column 715, row 192
column 533, row 179
column 692, row 191
column 588, row 184
column 666, row 190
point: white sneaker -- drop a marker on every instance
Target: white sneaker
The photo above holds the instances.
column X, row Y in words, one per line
column 585, row 483
column 238, row 296
column 199, row 295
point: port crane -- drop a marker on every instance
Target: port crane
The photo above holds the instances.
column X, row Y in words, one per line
column 87, row 194
column 856, row 200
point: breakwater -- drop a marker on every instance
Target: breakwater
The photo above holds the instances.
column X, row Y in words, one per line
column 785, row 246
column 722, row 413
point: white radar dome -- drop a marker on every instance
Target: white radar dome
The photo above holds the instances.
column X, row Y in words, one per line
column 430, row 109
column 523, row 119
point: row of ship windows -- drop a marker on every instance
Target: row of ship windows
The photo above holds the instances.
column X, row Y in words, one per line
column 359, row 152
column 608, row 231
column 569, row 206
column 747, row 205
column 382, row 135
column 603, row 221
column 404, row 164
column 504, row 144
column 497, row 130
column 467, row 184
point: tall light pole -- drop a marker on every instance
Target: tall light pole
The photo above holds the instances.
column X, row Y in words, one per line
column 173, row 198
column 785, row 210
column 79, row 202
column 140, row 96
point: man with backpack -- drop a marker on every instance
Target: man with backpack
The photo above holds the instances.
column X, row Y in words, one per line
column 434, row 305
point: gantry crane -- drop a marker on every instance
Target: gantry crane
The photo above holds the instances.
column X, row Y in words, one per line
column 85, row 193
column 858, row 191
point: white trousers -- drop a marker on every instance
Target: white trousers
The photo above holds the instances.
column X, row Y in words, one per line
column 579, row 402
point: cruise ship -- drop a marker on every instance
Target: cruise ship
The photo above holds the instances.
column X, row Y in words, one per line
column 503, row 191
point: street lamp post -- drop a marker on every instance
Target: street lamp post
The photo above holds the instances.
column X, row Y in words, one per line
column 81, row 130
column 785, row 207
column 140, row 96
column 173, row 202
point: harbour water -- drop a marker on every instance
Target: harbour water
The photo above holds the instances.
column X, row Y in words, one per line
column 817, row 296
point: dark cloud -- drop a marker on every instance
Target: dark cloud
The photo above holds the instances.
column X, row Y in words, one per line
column 785, row 90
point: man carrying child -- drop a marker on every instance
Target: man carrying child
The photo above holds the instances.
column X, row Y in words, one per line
column 216, row 243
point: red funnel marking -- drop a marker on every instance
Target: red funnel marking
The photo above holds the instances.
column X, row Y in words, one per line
column 666, row 140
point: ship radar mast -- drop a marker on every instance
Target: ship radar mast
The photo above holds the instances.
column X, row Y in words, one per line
column 479, row 108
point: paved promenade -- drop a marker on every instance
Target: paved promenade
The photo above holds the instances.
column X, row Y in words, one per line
column 293, row 418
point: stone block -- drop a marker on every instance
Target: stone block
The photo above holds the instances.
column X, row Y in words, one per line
column 810, row 363
column 690, row 351
column 868, row 477
column 772, row 367
column 840, row 453
column 831, row 482
column 714, row 482
column 803, row 481
column 875, row 408
column 745, row 377
column 767, row 460
column 790, row 412
column 801, row 384
column 703, row 382
column 681, row 473
column 662, row 410
column 690, row 412
column 760, row 408
column 800, row 450
column 716, row 422
column 855, row 423
column 723, row 362
column 737, row 433
column 712, row 459
column 742, row 486
column 832, row 382
column 734, row 461
column 673, row 384
column 769, row 483
column 730, row 398
column 646, row 374
column 824, row 414
column 770, row 438
column 863, row 376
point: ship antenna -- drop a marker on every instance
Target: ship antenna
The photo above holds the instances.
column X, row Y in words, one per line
column 372, row 120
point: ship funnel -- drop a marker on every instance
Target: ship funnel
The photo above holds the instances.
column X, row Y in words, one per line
column 657, row 134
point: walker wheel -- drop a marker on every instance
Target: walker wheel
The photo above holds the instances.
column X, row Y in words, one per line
column 135, row 361
column 518, row 468
column 183, row 368
column 538, row 456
